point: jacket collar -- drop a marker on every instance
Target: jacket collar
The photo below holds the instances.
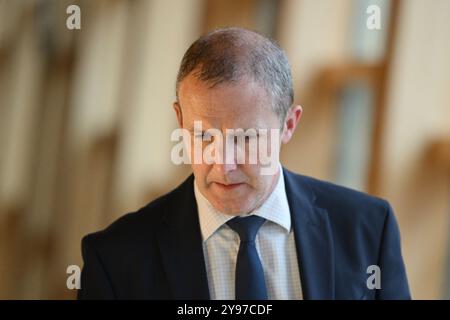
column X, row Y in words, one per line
column 180, row 243
column 313, row 238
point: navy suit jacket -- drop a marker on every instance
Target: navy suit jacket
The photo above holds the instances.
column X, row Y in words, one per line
column 156, row 252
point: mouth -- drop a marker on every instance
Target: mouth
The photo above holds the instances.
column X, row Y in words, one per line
column 230, row 186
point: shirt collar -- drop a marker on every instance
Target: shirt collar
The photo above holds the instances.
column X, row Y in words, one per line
column 274, row 209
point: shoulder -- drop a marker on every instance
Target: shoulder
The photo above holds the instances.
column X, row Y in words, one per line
column 330, row 194
column 344, row 205
column 135, row 227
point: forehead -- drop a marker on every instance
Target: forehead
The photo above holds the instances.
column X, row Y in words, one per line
column 241, row 104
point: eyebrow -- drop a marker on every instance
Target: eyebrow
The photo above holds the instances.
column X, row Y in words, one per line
column 239, row 133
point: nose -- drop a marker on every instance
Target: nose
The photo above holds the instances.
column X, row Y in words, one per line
column 225, row 168
column 228, row 161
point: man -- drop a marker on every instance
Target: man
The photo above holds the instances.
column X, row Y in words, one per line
column 231, row 232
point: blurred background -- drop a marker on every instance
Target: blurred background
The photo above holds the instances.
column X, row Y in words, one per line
column 86, row 117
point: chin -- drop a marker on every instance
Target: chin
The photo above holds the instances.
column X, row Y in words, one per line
column 233, row 208
column 232, row 203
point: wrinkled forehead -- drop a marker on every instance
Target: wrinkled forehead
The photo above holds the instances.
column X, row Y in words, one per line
column 241, row 104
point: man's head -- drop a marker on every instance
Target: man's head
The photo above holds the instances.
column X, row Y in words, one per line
column 229, row 79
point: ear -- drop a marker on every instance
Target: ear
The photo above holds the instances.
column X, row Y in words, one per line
column 177, row 108
column 290, row 123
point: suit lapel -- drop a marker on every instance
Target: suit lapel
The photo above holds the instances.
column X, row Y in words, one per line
column 180, row 243
column 313, row 237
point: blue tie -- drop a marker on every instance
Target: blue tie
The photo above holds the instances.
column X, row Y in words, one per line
column 249, row 279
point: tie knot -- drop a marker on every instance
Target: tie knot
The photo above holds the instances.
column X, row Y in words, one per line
column 246, row 227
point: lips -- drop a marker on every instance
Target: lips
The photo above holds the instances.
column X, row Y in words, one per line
column 229, row 186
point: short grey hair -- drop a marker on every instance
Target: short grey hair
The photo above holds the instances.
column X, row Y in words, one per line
column 231, row 54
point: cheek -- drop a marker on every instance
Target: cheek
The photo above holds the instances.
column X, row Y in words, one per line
column 257, row 181
column 251, row 172
column 201, row 172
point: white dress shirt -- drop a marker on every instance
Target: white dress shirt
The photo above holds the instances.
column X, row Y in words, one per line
column 275, row 244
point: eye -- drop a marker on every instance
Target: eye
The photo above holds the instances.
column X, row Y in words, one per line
column 198, row 135
column 251, row 137
column 207, row 135
column 204, row 136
